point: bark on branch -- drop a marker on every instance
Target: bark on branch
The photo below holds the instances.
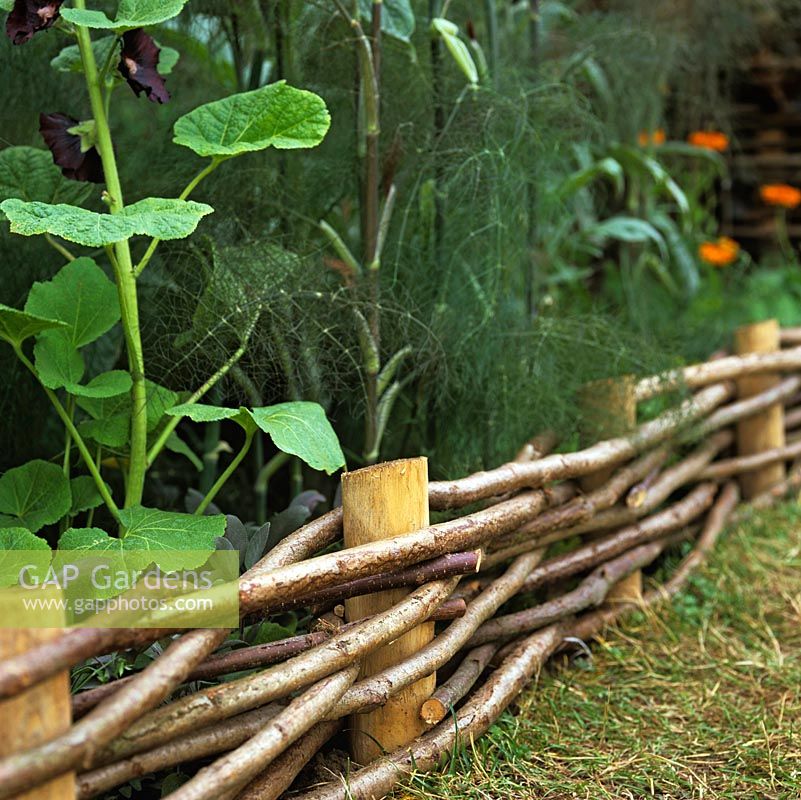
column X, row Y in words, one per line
column 580, row 508
column 676, row 476
column 472, row 720
column 298, row 580
column 374, row 691
column 199, row 744
column 515, row 476
column 734, row 466
column 274, row 781
column 236, row 769
column 590, row 592
column 221, row 702
column 721, row 369
column 77, row 746
column 449, row 693
column 599, row 550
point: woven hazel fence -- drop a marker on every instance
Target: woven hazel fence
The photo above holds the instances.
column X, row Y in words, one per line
column 405, row 690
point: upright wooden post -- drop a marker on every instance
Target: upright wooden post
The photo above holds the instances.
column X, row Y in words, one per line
column 379, row 502
column 763, row 431
column 609, row 409
column 37, row 715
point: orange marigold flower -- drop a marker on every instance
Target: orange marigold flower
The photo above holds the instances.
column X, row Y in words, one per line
column 780, row 194
column 720, row 252
column 710, row 140
column 644, row 138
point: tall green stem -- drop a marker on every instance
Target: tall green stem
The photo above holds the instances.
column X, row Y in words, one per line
column 124, row 275
column 230, row 469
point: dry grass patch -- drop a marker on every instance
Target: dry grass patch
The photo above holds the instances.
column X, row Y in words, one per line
column 697, row 699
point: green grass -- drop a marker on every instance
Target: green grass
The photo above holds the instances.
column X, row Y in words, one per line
column 697, row 699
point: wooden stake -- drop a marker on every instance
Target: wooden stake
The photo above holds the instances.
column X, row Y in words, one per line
column 38, row 714
column 610, row 409
column 379, row 502
column 764, row 431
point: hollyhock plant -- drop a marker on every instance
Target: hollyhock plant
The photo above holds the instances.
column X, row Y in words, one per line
column 139, row 65
column 30, row 16
column 68, row 149
column 97, row 290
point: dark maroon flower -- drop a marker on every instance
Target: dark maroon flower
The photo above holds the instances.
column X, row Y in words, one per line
column 139, row 65
column 29, row 16
column 68, row 150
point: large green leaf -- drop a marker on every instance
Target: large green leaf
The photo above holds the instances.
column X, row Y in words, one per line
column 680, row 254
column 16, row 326
column 69, row 59
column 91, row 548
column 276, row 115
column 92, row 540
column 84, row 493
column 57, row 362
column 35, row 494
column 130, row 14
column 302, row 429
column 107, row 384
column 111, row 416
column 163, row 537
column 112, row 431
column 27, row 173
column 161, row 218
column 16, row 545
column 111, row 419
column 397, row 17
column 159, row 400
column 198, row 412
column 80, row 295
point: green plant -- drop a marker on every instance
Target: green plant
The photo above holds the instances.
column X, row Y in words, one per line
column 121, row 413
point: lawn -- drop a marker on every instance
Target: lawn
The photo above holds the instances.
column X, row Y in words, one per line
column 698, row 699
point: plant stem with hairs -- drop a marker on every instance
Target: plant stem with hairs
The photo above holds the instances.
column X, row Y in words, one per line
column 123, row 273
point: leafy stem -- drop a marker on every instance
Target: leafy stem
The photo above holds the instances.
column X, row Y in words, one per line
column 190, row 187
column 123, row 270
column 76, row 437
column 229, row 470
